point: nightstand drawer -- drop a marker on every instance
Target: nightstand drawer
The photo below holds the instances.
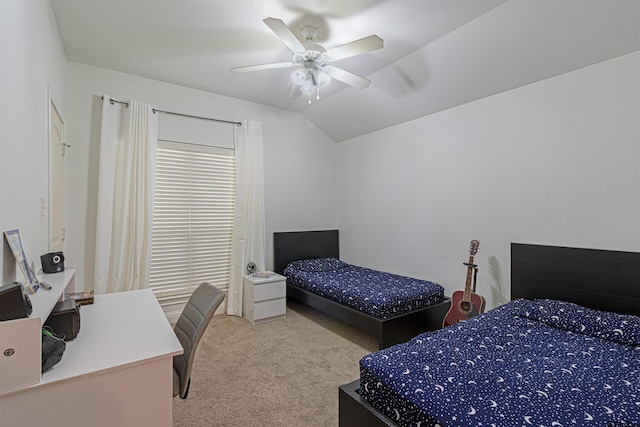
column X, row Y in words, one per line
column 271, row 308
column 266, row 291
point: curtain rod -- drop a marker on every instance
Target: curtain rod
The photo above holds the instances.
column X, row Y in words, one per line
column 112, row 101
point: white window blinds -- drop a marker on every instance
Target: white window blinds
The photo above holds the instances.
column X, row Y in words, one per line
column 192, row 219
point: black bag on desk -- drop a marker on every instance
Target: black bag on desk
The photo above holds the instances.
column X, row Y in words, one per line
column 52, row 349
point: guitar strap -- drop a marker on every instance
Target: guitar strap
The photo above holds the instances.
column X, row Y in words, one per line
column 475, row 276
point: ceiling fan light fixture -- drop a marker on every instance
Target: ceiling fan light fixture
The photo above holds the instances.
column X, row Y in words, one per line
column 322, row 78
column 298, row 77
column 309, row 78
column 306, row 86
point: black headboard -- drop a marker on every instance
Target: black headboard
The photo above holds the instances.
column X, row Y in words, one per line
column 295, row 245
column 599, row 279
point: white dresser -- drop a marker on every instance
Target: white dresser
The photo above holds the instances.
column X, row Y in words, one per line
column 264, row 299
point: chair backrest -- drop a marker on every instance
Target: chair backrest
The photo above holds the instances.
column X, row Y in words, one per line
column 190, row 327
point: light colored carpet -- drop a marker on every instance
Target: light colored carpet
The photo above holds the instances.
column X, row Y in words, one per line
column 281, row 373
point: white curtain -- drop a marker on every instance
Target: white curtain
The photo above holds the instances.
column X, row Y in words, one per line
column 249, row 243
column 128, row 141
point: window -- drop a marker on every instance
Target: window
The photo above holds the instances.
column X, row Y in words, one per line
column 192, row 220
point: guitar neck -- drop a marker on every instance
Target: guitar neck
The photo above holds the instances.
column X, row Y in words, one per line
column 467, row 285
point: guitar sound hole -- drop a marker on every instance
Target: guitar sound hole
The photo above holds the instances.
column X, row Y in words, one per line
column 465, row 306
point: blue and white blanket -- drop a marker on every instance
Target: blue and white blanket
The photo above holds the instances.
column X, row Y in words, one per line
column 381, row 295
column 528, row 363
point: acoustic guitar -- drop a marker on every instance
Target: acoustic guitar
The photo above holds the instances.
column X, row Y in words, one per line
column 465, row 304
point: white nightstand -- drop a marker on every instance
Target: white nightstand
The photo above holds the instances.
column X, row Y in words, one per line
column 264, row 299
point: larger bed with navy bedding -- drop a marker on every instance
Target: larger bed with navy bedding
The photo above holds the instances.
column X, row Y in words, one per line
column 541, row 362
column 531, row 362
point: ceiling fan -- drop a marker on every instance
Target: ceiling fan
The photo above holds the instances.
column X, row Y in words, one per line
column 314, row 61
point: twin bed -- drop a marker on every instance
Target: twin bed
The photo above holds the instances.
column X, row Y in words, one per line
column 564, row 352
column 391, row 307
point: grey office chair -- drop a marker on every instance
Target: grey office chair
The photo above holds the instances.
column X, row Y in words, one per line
column 189, row 329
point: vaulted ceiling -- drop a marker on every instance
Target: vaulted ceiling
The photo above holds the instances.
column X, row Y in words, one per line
column 437, row 53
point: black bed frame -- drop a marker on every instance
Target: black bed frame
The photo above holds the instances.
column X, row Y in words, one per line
column 296, row 245
column 599, row 279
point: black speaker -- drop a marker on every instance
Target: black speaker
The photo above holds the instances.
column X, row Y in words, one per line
column 14, row 303
column 52, row 262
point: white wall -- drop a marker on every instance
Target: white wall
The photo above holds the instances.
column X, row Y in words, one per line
column 32, row 68
column 556, row 162
column 299, row 160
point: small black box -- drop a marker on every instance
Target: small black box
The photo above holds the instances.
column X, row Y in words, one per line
column 64, row 319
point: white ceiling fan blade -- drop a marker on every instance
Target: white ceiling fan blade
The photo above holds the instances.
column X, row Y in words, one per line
column 356, row 47
column 347, row 77
column 285, row 34
column 263, row 67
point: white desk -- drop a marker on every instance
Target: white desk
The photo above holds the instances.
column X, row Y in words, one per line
column 116, row 372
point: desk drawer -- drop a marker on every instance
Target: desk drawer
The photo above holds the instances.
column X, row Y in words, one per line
column 271, row 308
column 266, row 291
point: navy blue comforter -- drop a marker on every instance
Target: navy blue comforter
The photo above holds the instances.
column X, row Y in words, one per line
column 527, row 363
column 381, row 295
